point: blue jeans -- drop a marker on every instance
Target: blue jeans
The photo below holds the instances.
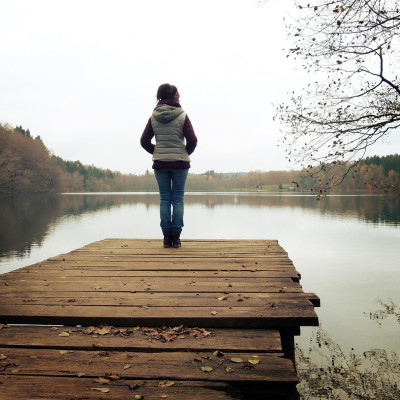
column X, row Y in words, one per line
column 171, row 185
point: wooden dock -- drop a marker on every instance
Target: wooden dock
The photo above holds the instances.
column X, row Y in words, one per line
column 128, row 319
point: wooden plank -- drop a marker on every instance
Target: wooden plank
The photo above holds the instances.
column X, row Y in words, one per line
column 60, row 388
column 190, row 243
column 158, row 299
column 63, row 273
column 314, row 299
column 195, row 246
column 155, row 277
column 176, row 253
column 143, row 339
column 155, row 284
column 176, row 256
column 213, row 317
column 159, row 365
column 162, row 265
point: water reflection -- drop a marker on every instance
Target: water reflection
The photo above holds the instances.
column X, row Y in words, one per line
column 26, row 219
column 376, row 209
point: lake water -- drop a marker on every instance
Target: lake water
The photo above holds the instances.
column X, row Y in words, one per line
column 347, row 248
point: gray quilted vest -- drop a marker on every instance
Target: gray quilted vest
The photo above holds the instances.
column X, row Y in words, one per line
column 167, row 123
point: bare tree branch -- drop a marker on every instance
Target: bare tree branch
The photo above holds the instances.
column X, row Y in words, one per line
column 353, row 104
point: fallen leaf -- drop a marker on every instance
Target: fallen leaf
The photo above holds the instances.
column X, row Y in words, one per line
column 206, row 369
column 54, row 328
column 80, row 374
column 213, row 313
column 2, row 357
column 199, row 332
column 113, row 377
column 229, row 369
column 236, row 360
column 166, row 383
column 127, row 366
column 254, row 362
column 15, row 371
column 218, row 353
column 102, row 381
column 65, row 351
column 223, row 298
column 138, row 397
column 89, row 330
column 104, row 330
column 64, row 334
column 167, row 336
column 102, row 390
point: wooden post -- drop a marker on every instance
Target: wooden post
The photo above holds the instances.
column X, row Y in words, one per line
column 287, row 340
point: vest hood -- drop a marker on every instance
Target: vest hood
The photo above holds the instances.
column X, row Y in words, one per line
column 165, row 113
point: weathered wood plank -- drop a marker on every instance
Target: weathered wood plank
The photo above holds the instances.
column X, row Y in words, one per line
column 155, row 284
column 278, row 300
column 214, row 317
column 60, row 388
column 171, row 256
column 143, row 339
column 160, row 365
column 176, row 253
column 190, row 243
column 64, row 273
column 162, row 265
column 157, row 278
column 314, row 299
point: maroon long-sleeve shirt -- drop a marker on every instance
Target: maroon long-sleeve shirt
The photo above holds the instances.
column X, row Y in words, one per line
column 188, row 133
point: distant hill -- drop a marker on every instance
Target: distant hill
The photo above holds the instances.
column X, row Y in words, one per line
column 26, row 165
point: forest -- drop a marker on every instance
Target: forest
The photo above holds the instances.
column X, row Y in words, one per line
column 27, row 166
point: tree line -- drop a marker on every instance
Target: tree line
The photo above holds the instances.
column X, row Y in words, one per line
column 26, row 165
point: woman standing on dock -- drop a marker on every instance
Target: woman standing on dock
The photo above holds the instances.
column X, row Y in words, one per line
column 171, row 127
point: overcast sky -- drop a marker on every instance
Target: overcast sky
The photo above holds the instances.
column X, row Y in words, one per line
column 83, row 76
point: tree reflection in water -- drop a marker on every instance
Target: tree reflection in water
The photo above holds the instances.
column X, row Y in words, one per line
column 388, row 309
column 326, row 372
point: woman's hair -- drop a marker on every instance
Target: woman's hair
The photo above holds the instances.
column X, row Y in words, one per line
column 166, row 91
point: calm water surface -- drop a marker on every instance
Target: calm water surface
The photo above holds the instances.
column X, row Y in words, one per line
column 347, row 248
